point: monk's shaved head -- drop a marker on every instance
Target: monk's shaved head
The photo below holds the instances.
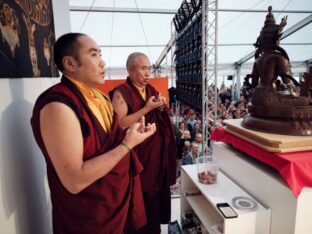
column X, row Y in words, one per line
column 132, row 59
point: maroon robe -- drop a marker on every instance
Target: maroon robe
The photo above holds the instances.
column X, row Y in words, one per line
column 112, row 202
column 157, row 155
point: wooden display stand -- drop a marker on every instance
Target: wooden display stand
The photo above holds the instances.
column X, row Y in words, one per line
column 270, row 142
column 204, row 204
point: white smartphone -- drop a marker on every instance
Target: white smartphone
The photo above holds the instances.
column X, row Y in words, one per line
column 226, row 210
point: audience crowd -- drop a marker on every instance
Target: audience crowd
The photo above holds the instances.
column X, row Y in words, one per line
column 188, row 122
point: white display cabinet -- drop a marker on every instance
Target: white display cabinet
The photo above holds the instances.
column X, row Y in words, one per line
column 289, row 215
column 204, row 204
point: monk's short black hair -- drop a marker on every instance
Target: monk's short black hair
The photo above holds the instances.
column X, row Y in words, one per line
column 66, row 45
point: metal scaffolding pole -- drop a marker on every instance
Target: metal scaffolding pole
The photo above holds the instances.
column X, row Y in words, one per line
column 173, row 74
column 172, row 63
column 171, row 11
column 166, row 50
column 129, row 45
column 209, row 68
column 172, row 42
column 238, row 83
column 123, row 10
column 219, row 45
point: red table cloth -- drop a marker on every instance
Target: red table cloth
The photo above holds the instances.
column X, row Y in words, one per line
column 294, row 167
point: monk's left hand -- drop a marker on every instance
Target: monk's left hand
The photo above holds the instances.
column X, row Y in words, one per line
column 136, row 134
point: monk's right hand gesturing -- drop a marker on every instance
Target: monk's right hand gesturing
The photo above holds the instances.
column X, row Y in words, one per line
column 153, row 103
column 138, row 132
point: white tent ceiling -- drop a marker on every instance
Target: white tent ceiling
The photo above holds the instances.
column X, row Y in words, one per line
column 123, row 33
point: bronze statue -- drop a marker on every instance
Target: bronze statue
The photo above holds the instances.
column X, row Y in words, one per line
column 279, row 103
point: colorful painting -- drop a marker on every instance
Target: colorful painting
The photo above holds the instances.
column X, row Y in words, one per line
column 27, row 39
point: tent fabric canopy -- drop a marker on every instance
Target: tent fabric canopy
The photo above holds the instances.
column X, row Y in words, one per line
column 239, row 26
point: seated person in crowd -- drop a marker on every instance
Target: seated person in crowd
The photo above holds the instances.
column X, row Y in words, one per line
column 191, row 156
column 196, row 129
column 181, row 142
column 199, row 141
column 192, row 118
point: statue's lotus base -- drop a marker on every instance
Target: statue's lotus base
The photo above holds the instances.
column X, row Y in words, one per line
column 285, row 126
column 272, row 112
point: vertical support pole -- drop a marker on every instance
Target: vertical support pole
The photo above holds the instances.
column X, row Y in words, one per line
column 209, row 68
column 233, row 88
column 238, row 83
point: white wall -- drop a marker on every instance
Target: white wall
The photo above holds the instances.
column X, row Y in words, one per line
column 24, row 195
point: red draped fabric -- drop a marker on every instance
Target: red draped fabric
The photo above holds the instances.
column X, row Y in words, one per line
column 294, row 167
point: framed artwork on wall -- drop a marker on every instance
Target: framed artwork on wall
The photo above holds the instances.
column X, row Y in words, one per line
column 27, row 39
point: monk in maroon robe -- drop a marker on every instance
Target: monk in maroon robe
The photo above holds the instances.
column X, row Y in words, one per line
column 132, row 100
column 92, row 169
